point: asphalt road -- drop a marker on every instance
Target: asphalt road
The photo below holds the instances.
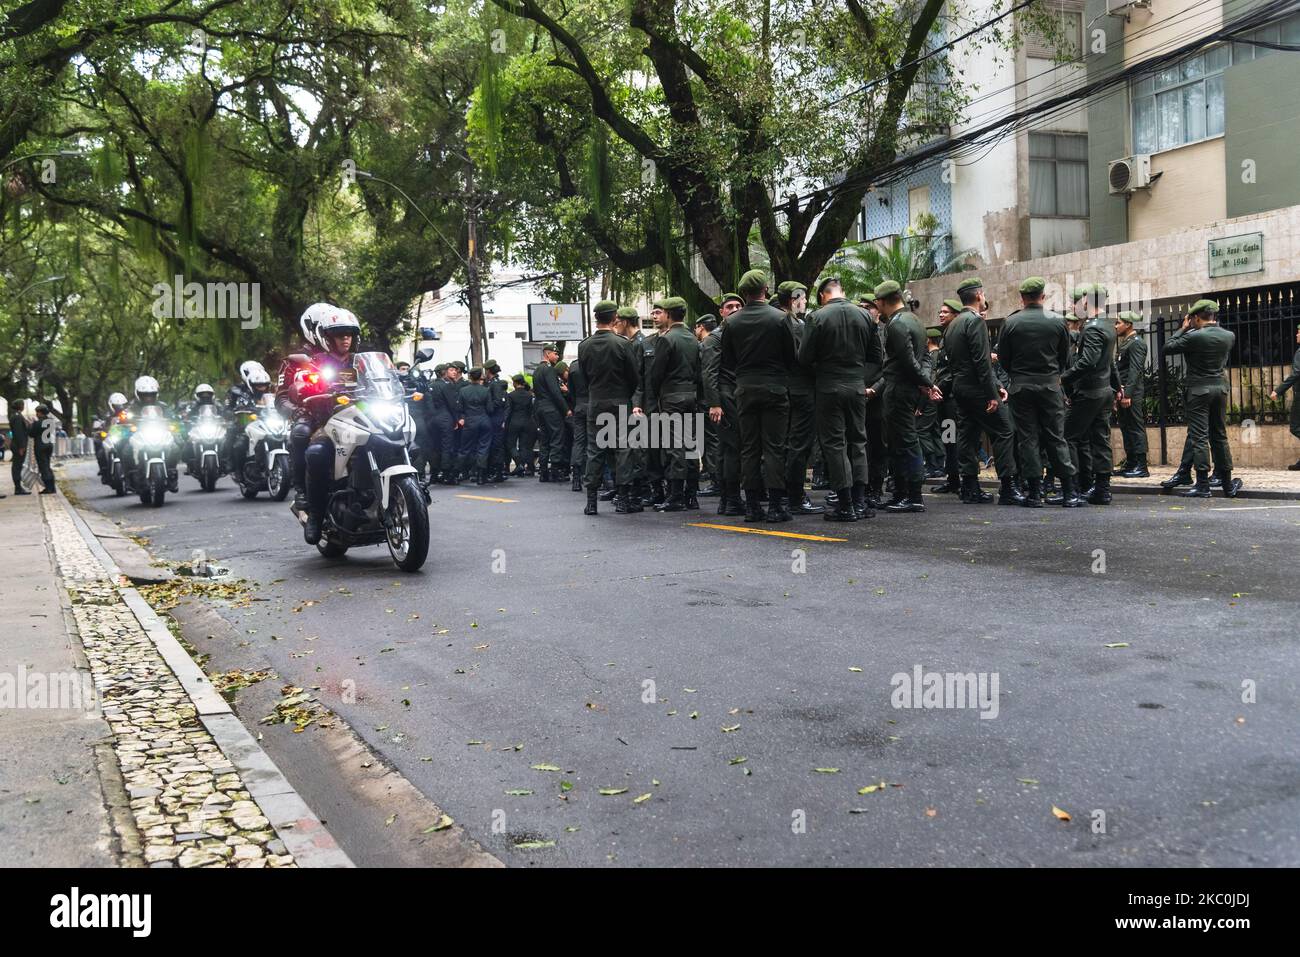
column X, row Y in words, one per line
column 538, row 626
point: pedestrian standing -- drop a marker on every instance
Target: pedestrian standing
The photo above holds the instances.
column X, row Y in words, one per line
column 1205, row 347
column 44, row 438
column 19, row 430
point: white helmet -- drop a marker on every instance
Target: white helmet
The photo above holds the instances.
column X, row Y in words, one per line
column 254, row 375
column 312, row 317
column 340, row 322
column 117, row 402
column 203, row 389
column 146, row 385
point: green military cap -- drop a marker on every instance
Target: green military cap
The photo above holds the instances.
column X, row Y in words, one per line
column 866, row 297
column 934, row 332
column 888, row 288
column 824, row 282
column 492, row 365
column 954, row 304
column 728, row 296
column 1033, row 286
column 628, row 312
column 753, row 282
column 974, row 282
column 561, row 366
column 605, row 305
column 549, row 347
column 790, row 287
column 440, row 368
column 1132, row 318
column 459, row 365
column 660, row 303
column 672, row 302
column 1080, row 291
column 1204, row 305
column 476, row 372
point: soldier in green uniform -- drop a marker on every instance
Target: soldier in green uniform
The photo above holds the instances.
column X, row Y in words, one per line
column 838, row 346
column 792, row 299
column 676, row 384
column 947, row 415
column 1034, row 348
column 927, row 423
column 709, row 466
column 611, row 374
column 578, row 402
column 877, row 450
column 720, row 399
column 452, row 413
column 1131, row 361
column 476, row 433
column 552, row 408
column 1205, row 347
column 758, row 350
column 652, row 465
column 907, row 380
column 520, row 431
column 1280, row 391
column 497, row 410
column 1094, row 384
column 979, row 399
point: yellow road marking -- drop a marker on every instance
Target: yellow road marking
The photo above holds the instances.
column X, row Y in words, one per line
column 765, row 531
column 486, row 498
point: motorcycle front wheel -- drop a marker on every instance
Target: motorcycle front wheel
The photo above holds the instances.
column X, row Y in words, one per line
column 408, row 536
column 208, row 477
column 159, row 491
column 277, row 483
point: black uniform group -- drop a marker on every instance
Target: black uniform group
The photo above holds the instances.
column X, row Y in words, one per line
column 860, row 392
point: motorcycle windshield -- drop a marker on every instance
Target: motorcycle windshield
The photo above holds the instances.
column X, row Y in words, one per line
column 377, row 376
column 208, row 412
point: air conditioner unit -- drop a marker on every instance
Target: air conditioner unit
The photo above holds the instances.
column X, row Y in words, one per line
column 1130, row 174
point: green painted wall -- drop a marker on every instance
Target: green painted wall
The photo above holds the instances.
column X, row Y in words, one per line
column 1261, row 117
column 1107, row 129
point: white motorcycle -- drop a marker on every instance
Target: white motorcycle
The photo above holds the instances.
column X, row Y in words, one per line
column 375, row 496
column 266, row 465
column 205, row 438
column 152, row 453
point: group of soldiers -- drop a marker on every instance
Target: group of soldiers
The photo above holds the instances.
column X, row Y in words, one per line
column 854, row 389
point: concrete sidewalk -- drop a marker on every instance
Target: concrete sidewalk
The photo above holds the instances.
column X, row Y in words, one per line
column 53, row 810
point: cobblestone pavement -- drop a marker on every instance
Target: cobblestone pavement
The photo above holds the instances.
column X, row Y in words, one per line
column 188, row 800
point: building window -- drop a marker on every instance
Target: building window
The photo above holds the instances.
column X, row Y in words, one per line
column 1058, row 175
column 1183, row 102
column 1066, row 45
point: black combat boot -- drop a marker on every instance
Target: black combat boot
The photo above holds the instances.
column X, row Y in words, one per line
column 713, row 489
column 1069, row 497
column 675, row 501
column 621, row 499
column 911, row 500
column 311, row 530
column 1202, row 487
column 1231, row 486
column 971, row 493
column 577, row 479
column 1100, row 494
column 898, row 494
column 1294, row 468
column 1008, row 494
column 1181, row 477
column 819, row 480
column 693, row 492
column 778, row 509
column 611, row 493
column 753, row 507
column 633, row 498
column 844, row 510
column 862, row 503
column 1136, row 469
column 1033, row 494
column 480, row 477
column 1083, row 482
column 591, row 501
column 1216, row 480
column 953, row 484
column 732, row 504
column 658, row 492
column 543, row 473
column 801, row 504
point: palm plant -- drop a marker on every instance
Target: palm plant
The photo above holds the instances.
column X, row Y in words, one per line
column 864, row 266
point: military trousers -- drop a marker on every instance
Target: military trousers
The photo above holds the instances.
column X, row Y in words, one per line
column 581, row 437
column 1133, row 428
column 842, row 431
column 1087, row 430
column 551, row 451
column 764, row 417
column 801, row 436
column 877, row 452
column 901, row 402
column 975, row 423
column 681, row 462
column 1039, row 413
column 604, row 448
column 1207, row 429
column 729, row 443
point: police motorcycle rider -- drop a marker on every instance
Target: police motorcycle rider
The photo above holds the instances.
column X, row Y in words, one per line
column 244, row 396
column 103, row 427
column 286, row 401
column 146, row 404
column 338, row 333
column 204, row 395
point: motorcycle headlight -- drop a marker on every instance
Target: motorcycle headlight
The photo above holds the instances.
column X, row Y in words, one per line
column 274, row 421
column 154, row 434
column 389, row 416
column 207, row 433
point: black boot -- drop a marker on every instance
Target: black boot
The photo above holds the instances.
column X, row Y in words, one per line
column 1231, row 486
column 633, row 500
column 1202, row 487
column 898, row 490
column 658, row 492
column 778, row 509
column 753, row 507
column 693, row 494
column 1100, row 494
column 311, row 530
column 675, row 501
column 577, row 479
column 1083, row 484
column 480, row 477
column 714, row 489
column 731, row 502
column 862, row 504
column 1294, row 468
column 801, row 504
column 610, row 494
column 1181, row 477
column 1069, row 497
column 819, row 482
column 844, row 510
column 544, row 473
column 1008, row 494
column 1216, row 480
column 1137, row 468
column 911, row 501
column 952, row 485
column 591, row 501
column 971, row 493
column 1033, row 494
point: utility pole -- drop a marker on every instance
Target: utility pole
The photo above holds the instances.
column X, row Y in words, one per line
column 477, row 332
